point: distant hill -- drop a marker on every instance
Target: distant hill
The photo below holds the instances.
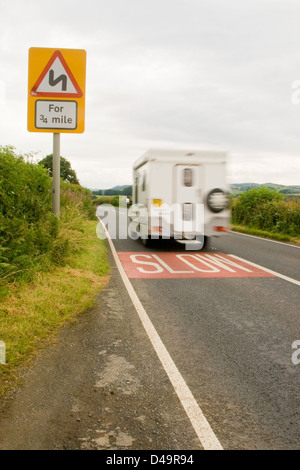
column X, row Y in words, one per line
column 236, row 188
column 287, row 190
column 120, row 188
column 125, row 190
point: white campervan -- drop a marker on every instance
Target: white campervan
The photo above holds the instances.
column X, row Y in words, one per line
column 181, row 195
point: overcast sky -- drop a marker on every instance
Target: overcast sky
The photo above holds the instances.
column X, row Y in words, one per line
column 190, row 74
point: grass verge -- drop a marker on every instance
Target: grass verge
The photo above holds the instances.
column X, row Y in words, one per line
column 32, row 313
column 264, row 234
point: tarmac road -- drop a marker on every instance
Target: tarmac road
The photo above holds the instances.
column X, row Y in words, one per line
column 230, row 333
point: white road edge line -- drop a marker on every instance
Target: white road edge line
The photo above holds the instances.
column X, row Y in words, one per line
column 264, row 239
column 282, row 276
column 200, row 424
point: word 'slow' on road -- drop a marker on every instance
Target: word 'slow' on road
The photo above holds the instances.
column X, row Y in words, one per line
column 186, row 265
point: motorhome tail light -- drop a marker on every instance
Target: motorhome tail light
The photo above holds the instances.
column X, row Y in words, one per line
column 156, row 229
column 220, row 229
column 156, row 202
column 217, row 200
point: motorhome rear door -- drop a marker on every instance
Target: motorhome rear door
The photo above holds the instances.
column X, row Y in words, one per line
column 188, row 213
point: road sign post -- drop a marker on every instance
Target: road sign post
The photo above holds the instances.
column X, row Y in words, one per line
column 56, row 99
column 56, row 174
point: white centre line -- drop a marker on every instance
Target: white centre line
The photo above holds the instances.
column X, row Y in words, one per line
column 200, row 424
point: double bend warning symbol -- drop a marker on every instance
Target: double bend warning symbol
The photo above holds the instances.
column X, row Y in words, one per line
column 56, row 80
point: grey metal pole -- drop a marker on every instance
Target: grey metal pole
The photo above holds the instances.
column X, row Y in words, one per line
column 56, row 174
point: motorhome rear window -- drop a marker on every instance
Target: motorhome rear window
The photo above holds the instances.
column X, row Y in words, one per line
column 188, row 177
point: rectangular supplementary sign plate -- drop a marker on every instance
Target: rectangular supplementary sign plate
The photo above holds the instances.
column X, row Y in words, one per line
column 186, row 265
column 51, row 114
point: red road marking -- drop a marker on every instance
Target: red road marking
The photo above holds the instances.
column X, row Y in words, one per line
column 186, row 265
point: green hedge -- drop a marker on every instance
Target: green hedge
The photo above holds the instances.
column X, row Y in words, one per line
column 27, row 225
column 265, row 209
column 31, row 237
